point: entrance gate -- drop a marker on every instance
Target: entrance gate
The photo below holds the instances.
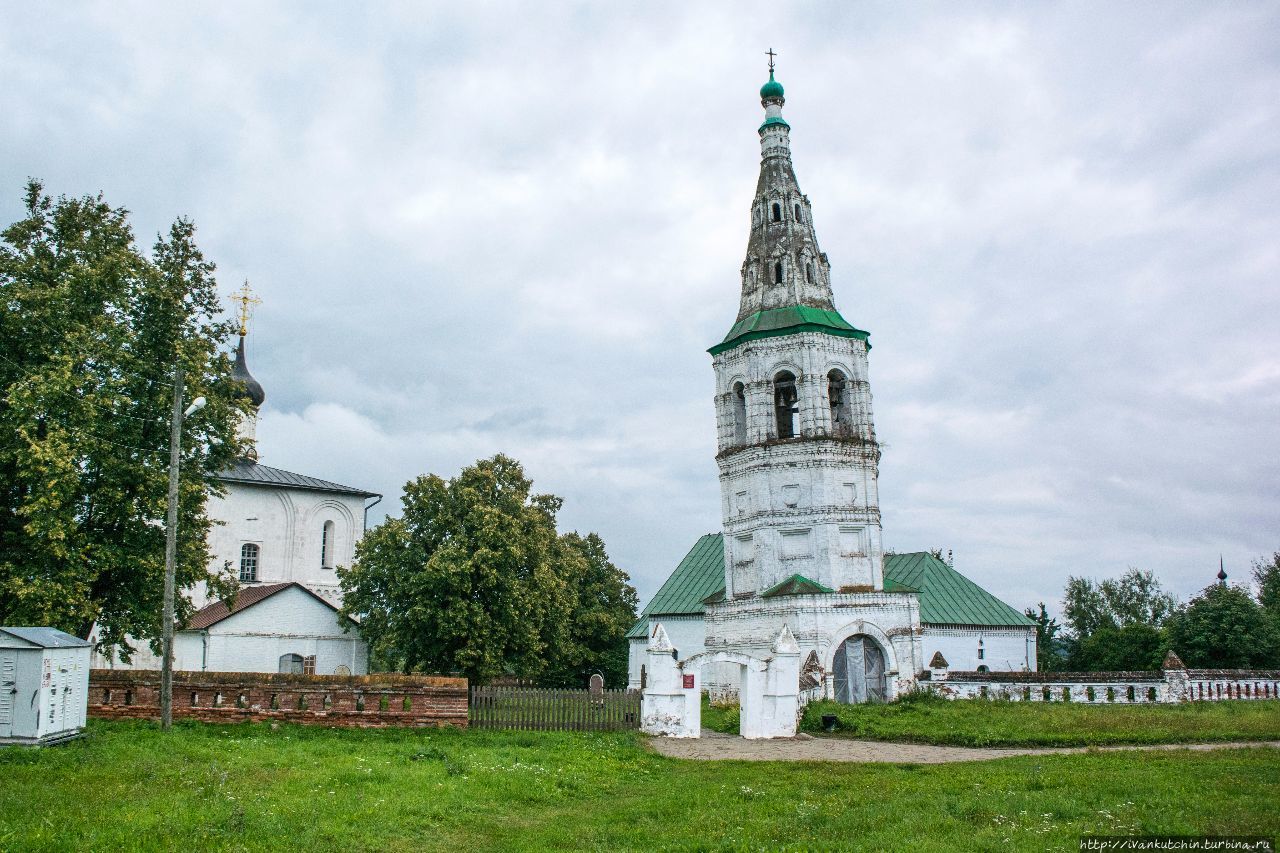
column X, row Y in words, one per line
column 859, row 671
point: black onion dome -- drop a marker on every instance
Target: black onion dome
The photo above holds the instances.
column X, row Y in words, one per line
column 240, row 372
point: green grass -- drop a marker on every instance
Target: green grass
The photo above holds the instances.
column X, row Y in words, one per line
column 926, row 719
column 127, row 786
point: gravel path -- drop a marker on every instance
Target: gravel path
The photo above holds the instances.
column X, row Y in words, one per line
column 713, row 746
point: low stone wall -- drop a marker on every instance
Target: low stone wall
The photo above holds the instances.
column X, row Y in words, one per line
column 357, row 701
column 1139, row 687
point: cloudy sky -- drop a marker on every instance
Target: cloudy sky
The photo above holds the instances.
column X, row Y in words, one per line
column 513, row 227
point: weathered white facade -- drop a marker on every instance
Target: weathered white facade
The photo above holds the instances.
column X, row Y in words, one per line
column 802, row 548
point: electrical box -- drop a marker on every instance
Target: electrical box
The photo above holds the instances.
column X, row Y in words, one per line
column 44, row 685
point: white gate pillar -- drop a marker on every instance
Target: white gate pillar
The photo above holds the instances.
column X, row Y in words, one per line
column 670, row 708
column 780, row 699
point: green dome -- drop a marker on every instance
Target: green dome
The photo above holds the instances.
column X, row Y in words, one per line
column 772, row 89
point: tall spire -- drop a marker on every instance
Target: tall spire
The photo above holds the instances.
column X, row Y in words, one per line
column 784, row 267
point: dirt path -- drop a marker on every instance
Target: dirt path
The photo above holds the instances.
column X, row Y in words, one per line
column 714, row 746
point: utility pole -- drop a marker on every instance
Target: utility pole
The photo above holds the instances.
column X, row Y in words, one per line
column 170, row 556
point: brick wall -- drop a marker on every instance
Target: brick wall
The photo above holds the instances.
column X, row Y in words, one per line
column 361, row 701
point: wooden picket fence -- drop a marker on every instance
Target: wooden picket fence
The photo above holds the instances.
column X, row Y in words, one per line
column 549, row 709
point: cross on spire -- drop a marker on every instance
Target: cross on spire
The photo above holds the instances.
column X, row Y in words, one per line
column 769, row 53
column 247, row 300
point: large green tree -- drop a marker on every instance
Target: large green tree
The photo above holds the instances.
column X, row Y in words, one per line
column 473, row 578
column 1266, row 574
column 90, row 330
column 1135, row 597
column 1223, row 627
column 602, row 609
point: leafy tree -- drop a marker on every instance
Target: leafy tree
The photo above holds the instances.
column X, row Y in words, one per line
column 603, row 609
column 90, row 331
column 1223, row 627
column 1133, row 598
column 1267, row 576
column 1050, row 647
column 473, row 578
column 1135, row 646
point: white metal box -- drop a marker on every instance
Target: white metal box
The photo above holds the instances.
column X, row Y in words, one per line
column 44, row 685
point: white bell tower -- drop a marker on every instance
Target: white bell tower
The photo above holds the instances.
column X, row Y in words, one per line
column 797, row 446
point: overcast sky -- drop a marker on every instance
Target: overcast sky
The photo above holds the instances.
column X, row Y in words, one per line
column 517, row 227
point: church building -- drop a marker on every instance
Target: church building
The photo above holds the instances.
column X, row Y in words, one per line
column 801, row 542
column 283, row 534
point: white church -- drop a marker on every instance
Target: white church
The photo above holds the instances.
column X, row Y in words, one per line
column 284, row 535
column 801, row 543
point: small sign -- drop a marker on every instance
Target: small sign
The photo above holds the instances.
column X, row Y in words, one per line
column 48, row 673
column 688, row 682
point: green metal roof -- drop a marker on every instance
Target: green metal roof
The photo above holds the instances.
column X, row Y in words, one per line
column 788, row 321
column 795, row 585
column 778, row 120
column 946, row 596
column 699, row 575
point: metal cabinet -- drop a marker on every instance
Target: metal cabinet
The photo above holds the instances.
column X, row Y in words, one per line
column 44, row 685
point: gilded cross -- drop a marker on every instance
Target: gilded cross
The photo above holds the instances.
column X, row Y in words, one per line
column 247, row 300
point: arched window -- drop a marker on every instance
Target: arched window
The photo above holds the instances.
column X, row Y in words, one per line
column 739, row 413
column 248, row 563
column 808, row 271
column 777, row 272
column 785, row 400
column 291, row 663
column 838, row 397
column 799, row 218
column 326, row 546
column 777, row 212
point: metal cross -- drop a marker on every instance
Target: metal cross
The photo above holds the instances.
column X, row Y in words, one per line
column 247, row 300
column 771, row 55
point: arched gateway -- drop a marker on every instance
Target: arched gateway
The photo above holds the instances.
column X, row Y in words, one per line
column 859, row 671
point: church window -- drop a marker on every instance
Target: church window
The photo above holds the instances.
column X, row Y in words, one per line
column 326, row 546
column 309, row 665
column 799, row 218
column 777, row 212
column 838, row 398
column 785, row 401
column 739, row 413
column 777, row 272
column 982, row 653
column 248, row 563
column 808, row 272
column 291, row 663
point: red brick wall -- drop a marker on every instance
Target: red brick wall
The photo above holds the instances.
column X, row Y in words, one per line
column 364, row 701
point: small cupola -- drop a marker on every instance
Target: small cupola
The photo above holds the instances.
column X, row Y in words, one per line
column 249, row 387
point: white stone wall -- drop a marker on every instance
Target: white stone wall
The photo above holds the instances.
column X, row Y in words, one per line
column 809, row 505
column 287, row 526
column 1003, row 649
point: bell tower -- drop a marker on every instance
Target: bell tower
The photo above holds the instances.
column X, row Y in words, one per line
column 796, row 441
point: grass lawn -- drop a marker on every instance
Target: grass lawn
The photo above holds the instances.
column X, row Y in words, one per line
column 927, row 719
column 127, row 786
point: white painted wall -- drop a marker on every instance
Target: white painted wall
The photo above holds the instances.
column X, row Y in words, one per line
column 289, row 622
column 287, row 527
column 686, row 634
column 1004, row 649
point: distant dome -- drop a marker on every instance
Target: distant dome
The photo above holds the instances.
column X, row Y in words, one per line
column 772, row 89
column 250, row 387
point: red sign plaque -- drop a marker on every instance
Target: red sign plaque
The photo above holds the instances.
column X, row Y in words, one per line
column 688, row 682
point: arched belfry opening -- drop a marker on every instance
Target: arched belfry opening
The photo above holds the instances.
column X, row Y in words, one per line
column 777, row 212
column 838, row 397
column 777, row 272
column 786, row 403
column 739, row 413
